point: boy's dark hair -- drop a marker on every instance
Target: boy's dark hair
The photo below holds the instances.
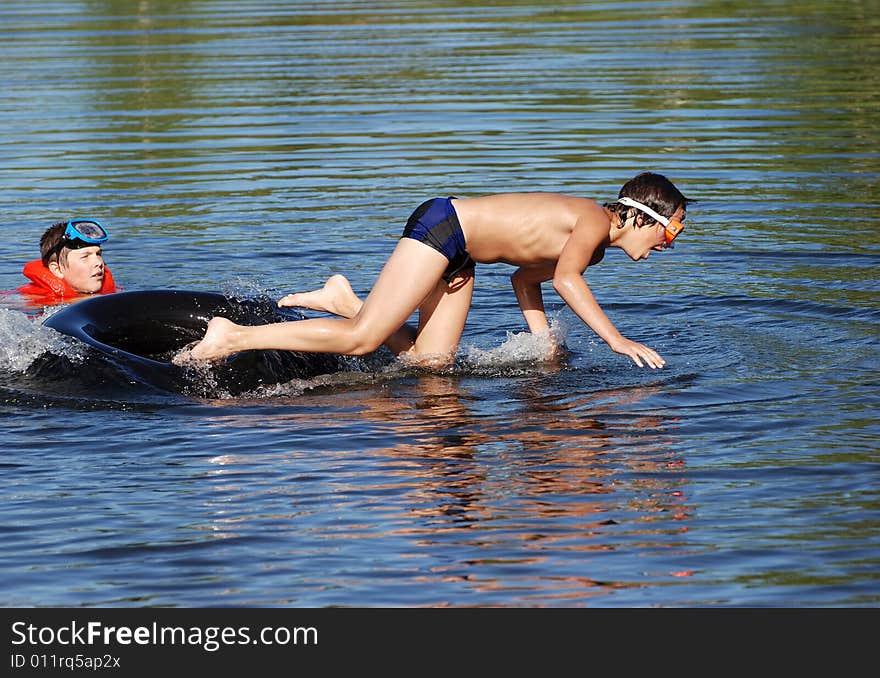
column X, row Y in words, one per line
column 49, row 242
column 653, row 190
column 53, row 245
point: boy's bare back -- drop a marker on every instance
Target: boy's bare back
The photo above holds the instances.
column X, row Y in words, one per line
column 525, row 229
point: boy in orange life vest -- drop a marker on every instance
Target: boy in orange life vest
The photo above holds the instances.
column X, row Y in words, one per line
column 71, row 264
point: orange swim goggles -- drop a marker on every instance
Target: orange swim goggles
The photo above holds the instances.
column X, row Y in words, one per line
column 673, row 226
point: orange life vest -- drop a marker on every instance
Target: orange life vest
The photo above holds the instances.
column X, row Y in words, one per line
column 47, row 289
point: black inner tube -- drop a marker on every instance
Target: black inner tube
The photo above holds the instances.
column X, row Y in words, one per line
column 140, row 332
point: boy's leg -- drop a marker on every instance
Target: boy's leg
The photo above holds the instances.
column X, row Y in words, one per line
column 337, row 297
column 408, row 277
column 442, row 316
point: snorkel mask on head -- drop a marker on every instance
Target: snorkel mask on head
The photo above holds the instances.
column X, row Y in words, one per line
column 673, row 226
column 87, row 232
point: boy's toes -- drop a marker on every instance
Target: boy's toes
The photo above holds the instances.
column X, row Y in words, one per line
column 185, row 355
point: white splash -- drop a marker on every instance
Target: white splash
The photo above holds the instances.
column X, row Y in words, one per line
column 520, row 348
column 23, row 340
column 200, row 376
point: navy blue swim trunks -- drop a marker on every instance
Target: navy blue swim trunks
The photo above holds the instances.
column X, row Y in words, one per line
column 435, row 223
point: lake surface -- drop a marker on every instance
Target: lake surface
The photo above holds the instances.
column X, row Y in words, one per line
column 256, row 147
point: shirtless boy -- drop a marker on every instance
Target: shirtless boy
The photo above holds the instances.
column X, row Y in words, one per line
column 547, row 236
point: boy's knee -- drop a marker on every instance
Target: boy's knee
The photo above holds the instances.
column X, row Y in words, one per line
column 363, row 348
column 363, row 341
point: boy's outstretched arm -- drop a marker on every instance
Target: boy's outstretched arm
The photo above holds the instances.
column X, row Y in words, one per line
column 569, row 283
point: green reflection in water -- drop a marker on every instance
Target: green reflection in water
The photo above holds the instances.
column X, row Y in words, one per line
column 201, row 111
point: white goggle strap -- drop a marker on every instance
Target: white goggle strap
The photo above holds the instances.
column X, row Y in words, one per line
column 629, row 202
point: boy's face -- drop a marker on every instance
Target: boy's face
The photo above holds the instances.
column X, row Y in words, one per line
column 82, row 268
column 679, row 216
column 652, row 237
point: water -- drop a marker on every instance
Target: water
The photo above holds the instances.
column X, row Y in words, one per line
column 256, row 147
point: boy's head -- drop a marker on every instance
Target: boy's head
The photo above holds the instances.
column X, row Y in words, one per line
column 71, row 250
column 656, row 193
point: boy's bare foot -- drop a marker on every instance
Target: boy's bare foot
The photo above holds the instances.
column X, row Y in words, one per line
column 335, row 297
column 216, row 344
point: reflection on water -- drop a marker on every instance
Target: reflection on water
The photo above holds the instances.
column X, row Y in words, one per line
column 256, row 147
column 512, row 501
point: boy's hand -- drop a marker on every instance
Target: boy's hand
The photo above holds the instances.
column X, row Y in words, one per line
column 638, row 352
